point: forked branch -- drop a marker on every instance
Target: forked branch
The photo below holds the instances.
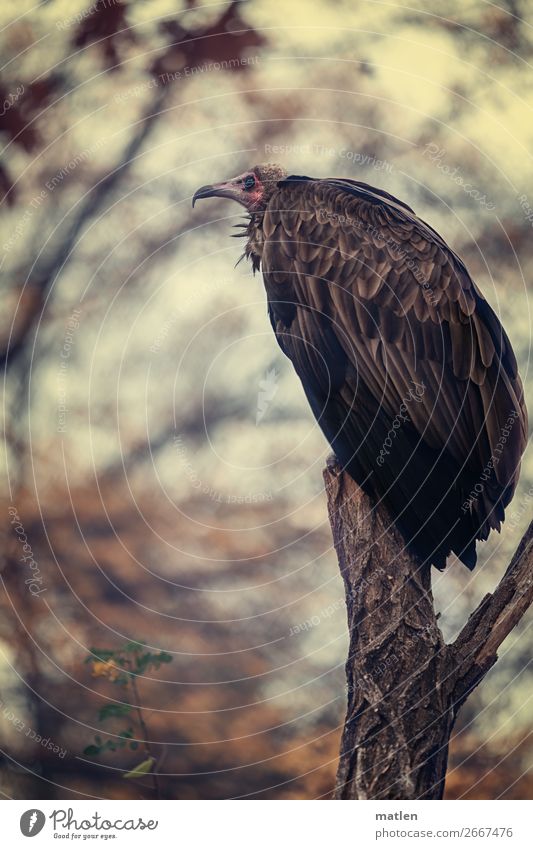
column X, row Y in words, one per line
column 405, row 684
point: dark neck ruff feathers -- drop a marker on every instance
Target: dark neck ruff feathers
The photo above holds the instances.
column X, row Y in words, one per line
column 252, row 230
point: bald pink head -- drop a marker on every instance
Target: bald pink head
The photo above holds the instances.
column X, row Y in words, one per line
column 252, row 189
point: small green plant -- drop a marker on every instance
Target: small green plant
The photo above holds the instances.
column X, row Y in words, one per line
column 123, row 667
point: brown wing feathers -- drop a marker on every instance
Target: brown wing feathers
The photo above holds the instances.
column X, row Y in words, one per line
column 369, row 302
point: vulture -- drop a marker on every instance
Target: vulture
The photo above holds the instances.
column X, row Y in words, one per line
column 406, row 367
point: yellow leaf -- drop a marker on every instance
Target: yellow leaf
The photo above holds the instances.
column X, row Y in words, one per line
column 140, row 769
column 105, row 669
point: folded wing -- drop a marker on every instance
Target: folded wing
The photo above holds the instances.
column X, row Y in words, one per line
column 406, row 367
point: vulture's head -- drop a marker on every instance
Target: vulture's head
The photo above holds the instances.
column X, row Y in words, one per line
column 253, row 189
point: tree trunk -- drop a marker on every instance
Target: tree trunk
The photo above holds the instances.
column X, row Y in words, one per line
column 405, row 685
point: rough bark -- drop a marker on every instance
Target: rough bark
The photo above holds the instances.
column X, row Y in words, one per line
column 405, row 684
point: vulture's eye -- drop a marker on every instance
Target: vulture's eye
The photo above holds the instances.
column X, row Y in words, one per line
column 249, row 182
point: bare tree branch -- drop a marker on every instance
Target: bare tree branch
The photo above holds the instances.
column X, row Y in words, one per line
column 405, row 684
column 475, row 649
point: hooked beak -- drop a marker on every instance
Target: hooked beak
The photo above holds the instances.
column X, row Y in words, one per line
column 230, row 189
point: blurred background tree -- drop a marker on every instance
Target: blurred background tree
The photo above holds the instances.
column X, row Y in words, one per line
column 162, row 462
